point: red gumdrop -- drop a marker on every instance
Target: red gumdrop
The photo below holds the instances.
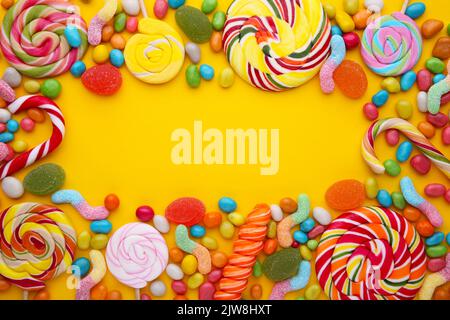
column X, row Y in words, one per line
column 187, row 211
column 103, row 79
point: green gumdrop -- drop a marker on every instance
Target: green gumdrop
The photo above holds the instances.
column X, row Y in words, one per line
column 392, row 168
column 435, row 65
column 398, row 200
column 193, row 77
column 51, row 88
column 209, row 6
column 45, row 179
column 257, row 269
column 194, row 23
column 218, row 20
column 120, row 21
column 282, row 265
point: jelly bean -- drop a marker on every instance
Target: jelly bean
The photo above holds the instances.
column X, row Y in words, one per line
column 2, row 129
column 344, row 21
column 226, row 79
column 27, row 124
column 447, row 239
column 218, row 20
column 424, row 80
column 312, row 292
column 160, row 8
column 270, row 246
column 415, row 10
column 132, row 22
column 392, row 137
column 174, row 4
column 438, row 120
column 335, row 30
column 421, row 164
column 436, row 251
column 72, row 36
column 99, row 292
column 117, row 42
column 447, row 196
column 295, row 244
column 288, row 205
column 176, row 255
column 427, row 129
column 371, row 187
column 32, row 86
column 215, row 275
column 398, row 200
column 179, row 287
column 219, row 259
column 111, row 202
column 351, row 40
column 330, row 10
column 435, row 239
column 380, row 98
column 300, row 237
column 256, row 291
column 361, row 18
column 370, row 111
column 161, row 223
column 189, row 264
column 197, row 231
column 174, row 272
column 206, row 72
column 12, row 126
column 351, row 6
column 206, row 291
column 404, row 151
column 257, row 269
column 158, row 288
column 407, row 80
column 435, row 65
column 195, row 280
column 445, row 135
column 227, row 204
column 307, row 225
column 12, row 187
column 120, row 21
column 322, row 216
column 193, row 51
column 145, row 213
column 435, row 190
column 431, row 27
column 114, row 295
column 209, row 243
column 6, row 137
column 116, row 58
column 422, row 101
column 212, row 219
column 107, row 33
column 4, row 285
column 145, row 297
column 81, row 267
column 312, row 244
column 5, row 115
column 436, row 264
column 391, row 85
column 425, row 228
column 305, row 253
column 19, row 146
column 7, row 4
column 42, row 294
column 131, row 7
column 51, row 88
column 392, row 167
column 101, row 226
column 215, row 42
column 78, row 68
column 99, row 241
column 84, row 240
column 438, row 78
column 226, row 230
column 209, row 6
column 404, row 109
column 411, row 214
column 100, row 54
column 384, row 198
column 272, row 229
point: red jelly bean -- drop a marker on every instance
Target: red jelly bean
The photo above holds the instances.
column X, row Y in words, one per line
column 447, row 196
column 435, row 265
column 435, row 190
column 103, row 79
column 316, row 231
column 445, row 99
column 370, row 111
column 421, row 164
column 145, row 213
column 424, row 80
column 438, row 120
column 445, row 134
column 179, row 287
column 392, row 137
column 351, row 40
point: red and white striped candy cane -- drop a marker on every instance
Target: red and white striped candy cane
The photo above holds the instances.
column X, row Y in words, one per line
column 31, row 156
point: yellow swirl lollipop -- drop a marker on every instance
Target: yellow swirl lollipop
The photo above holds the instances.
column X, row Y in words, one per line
column 155, row 54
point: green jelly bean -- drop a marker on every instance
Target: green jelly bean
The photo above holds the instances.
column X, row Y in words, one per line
column 404, row 109
column 193, row 77
column 312, row 244
column 436, row 251
column 99, row 241
column 51, row 88
column 435, row 65
column 300, row 298
column 120, row 21
column 305, row 253
column 272, row 230
column 32, row 86
column 84, row 240
column 392, row 167
column 209, row 6
column 312, row 292
column 218, row 20
column 371, row 188
column 257, row 269
column 209, row 243
column 398, row 200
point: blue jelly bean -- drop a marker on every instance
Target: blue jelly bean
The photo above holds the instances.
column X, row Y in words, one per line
column 408, row 80
column 81, row 267
column 435, row 239
column 415, row 10
column 175, row 4
column 197, row 231
column 384, row 198
column 438, row 78
column 404, row 151
column 12, row 126
column 307, row 225
column 206, row 72
column 78, row 68
column 6, row 137
column 447, row 239
column 101, row 226
column 380, row 98
column 73, row 36
column 335, row 30
column 300, row 237
column 227, row 204
column 116, row 58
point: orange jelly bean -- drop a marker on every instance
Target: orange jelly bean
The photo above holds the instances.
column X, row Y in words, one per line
column 42, row 294
column 4, row 285
column 256, row 291
column 180, row 297
column 111, row 202
column 212, row 219
column 219, row 259
column 288, row 205
column 114, row 295
column 425, row 228
column 2, row 103
column 360, row 18
column 270, row 246
column 118, row 42
column 411, row 214
column 427, row 129
column 441, row 293
column 99, row 292
column 176, row 255
column 36, row 115
column 107, row 32
column 215, row 42
column 7, row 3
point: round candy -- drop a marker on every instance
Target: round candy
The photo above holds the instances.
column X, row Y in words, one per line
column 345, row 195
column 51, row 88
column 187, row 211
column 112, row 202
column 103, row 79
column 45, row 179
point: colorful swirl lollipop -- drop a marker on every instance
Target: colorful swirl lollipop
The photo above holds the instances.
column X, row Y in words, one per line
column 37, row 244
column 391, row 45
column 412, row 133
column 276, row 45
column 33, row 40
column 136, row 254
column 371, row 254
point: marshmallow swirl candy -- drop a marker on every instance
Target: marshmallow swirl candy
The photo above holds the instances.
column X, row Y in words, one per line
column 276, row 45
column 136, row 254
column 37, row 243
column 391, row 45
column 371, row 254
column 33, row 40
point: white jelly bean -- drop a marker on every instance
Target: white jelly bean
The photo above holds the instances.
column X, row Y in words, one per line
column 131, row 7
column 277, row 213
column 5, row 115
column 322, row 216
column 161, row 224
column 12, row 187
column 422, row 101
column 174, row 271
column 158, row 288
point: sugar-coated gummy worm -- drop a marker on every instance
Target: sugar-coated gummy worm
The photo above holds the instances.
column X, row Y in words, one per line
column 187, row 245
column 246, row 248
column 94, row 277
column 101, row 18
column 80, row 204
column 26, row 159
column 413, row 198
column 437, row 91
column 435, row 280
column 6, row 92
column 338, row 52
column 297, row 282
column 284, row 227
column 412, row 133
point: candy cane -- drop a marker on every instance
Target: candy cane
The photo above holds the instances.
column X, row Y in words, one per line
column 412, row 133
column 101, row 18
column 31, row 156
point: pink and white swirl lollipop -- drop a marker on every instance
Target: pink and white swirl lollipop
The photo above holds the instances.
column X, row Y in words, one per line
column 136, row 254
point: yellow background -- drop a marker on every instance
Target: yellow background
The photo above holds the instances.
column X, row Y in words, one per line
column 122, row 144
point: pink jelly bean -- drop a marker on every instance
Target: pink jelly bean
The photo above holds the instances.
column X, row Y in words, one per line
column 445, row 99
column 27, row 124
column 435, row 190
column 145, row 296
column 215, row 275
column 160, row 8
column 392, row 137
column 2, row 127
column 6, row 92
column 145, row 213
column 421, row 164
column 370, row 111
column 206, row 291
column 445, row 134
column 447, row 196
column 179, row 287
column 132, row 24
column 351, row 40
column 316, row 231
column 435, row 265
column 424, row 80
column 438, row 120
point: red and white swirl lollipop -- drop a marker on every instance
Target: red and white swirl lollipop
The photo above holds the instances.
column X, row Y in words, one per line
column 137, row 254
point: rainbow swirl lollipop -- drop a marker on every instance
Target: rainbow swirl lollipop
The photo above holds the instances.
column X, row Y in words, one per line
column 37, row 244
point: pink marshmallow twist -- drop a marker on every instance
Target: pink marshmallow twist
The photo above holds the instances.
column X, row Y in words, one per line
column 338, row 52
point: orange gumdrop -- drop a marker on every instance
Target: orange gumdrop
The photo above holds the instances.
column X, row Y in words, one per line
column 425, row 228
column 270, row 246
column 345, row 195
column 114, row 295
column 219, row 259
column 411, row 214
column 42, row 294
column 351, row 79
column 212, row 219
column 99, row 292
column 176, row 255
column 111, row 202
column 441, row 293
